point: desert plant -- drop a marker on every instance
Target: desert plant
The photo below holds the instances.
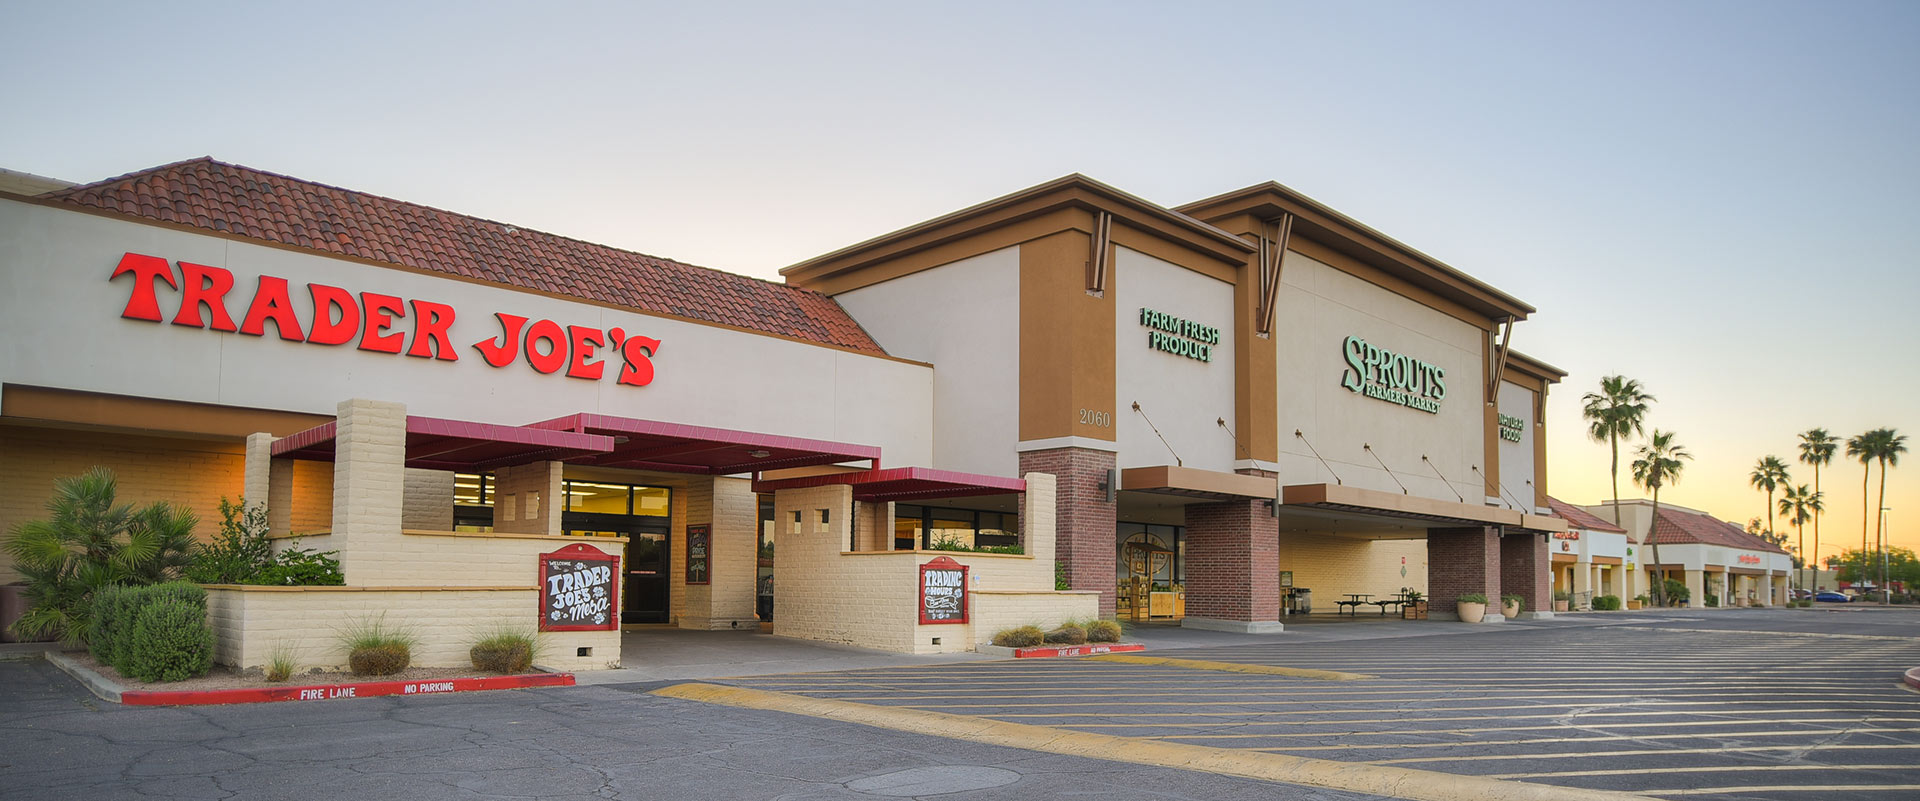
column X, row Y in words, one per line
column 1471, row 598
column 169, row 641
column 1019, row 637
column 1514, row 601
column 505, row 651
column 302, row 567
column 113, row 608
column 1067, row 634
column 377, row 648
column 88, row 543
column 1103, row 631
column 280, row 663
column 1676, row 590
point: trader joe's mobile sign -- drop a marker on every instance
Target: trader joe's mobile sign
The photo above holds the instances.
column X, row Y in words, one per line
column 1380, row 373
column 335, row 316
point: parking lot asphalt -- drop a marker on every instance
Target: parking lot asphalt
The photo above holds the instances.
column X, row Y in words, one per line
column 1714, row 704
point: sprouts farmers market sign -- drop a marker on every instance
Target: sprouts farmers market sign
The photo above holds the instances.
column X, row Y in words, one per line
column 331, row 315
column 1395, row 378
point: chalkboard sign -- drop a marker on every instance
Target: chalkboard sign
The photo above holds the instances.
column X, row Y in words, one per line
column 943, row 591
column 699, row 554
column 579, row 589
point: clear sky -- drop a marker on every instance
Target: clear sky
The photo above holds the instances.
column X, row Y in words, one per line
column 1721, row 199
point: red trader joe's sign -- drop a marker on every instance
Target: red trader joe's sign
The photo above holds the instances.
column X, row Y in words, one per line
column 579, row 589
column 207, row 297
column 943, row 591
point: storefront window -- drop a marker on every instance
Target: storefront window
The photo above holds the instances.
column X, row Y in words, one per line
column 1153, row 553
column 610, row 499
column 962, row 528
column 473, row 502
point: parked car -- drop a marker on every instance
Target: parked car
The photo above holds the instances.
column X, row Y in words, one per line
column 1832, row 597
column 1798, row 593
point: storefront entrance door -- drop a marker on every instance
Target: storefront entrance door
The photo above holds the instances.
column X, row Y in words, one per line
column 645, row 594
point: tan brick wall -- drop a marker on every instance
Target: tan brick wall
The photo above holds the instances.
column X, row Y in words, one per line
column 526, row 499
column 191, row 472
column 369, row 483
column 1333, row 566
column 252, row 624
column 870, row 598
column 429, row 500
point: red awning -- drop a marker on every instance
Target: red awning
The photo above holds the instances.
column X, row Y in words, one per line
column 903, row 484
column 677, row 448
column 439, row 444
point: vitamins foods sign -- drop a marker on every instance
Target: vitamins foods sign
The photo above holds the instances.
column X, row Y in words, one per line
column 1392, row 377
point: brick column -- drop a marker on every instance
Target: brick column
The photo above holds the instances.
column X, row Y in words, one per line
column 1233, row 567
column 730, row 598
column 1524, row 571
column 1085, row 525
column 369, row 481
column 1461, row 561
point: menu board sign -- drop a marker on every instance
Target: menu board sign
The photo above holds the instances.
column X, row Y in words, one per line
column 699, row 554
column 579, row 589
column 943, row 591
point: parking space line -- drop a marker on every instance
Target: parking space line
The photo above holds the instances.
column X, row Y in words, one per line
column 1744, row 789
column 1404, row 712
column 1662, row 751
column 1554, row 716
column 1665, row 724
column 1743, row 768
column 1545, row 740
column 1231, row 667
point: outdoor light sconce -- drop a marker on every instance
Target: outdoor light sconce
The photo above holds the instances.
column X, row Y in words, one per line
column 1110, row 486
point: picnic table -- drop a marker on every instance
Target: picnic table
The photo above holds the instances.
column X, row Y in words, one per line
column 1354, row 601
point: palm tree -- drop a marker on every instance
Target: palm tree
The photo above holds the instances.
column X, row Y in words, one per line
column 1816, row 448
column 1887, row 447
column 1659, row 465
column 1769, row 474
column 1860, row 446
column 1615, row 412
column 1801, row 504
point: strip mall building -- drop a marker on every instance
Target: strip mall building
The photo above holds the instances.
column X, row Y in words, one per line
column 1213, row 405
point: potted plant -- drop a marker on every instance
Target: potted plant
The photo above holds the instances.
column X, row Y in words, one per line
column 1637, row 602
column 1561, row 600
column 1415, row 607
column 1472, row 607
column 1510, row 606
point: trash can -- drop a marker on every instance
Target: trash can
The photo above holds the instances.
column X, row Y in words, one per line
column 1302, row 601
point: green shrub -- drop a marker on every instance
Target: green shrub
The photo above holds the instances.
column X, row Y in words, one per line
column 117, row 640
column 1060, row 576
column 1019, row 637
column 1713, row 600
column 280, row 664
column 88, row 543
column 238, row 551
column 301, row 567
column 951, row 542
column 170, row 641
column 1606, row 603
column 1471, row 598
column 1514, row 601
column 113, row 611
column 1103, row 631
column 1677, row 590
column 376, row 648
column 505, row 651
column 1562, row 595
column 1068, row 634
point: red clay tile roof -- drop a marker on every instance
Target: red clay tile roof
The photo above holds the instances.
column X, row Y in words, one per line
column 1581, row 518
column 229, row 198
column 1676, row 527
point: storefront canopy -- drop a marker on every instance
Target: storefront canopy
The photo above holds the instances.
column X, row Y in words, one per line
column 1374, row 503
column 439, row 444
column 677, row 448
column 903, row 484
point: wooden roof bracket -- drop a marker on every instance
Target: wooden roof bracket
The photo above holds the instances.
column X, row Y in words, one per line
column 1273, row 252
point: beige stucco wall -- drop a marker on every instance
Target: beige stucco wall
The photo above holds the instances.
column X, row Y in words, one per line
column 732, row 509
column 1181, row 396
column 1318, row 307
column 252, row 624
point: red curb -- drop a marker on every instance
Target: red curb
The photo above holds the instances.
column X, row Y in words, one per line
column 1913, row 678
column 1075, row 650
column 331, row 692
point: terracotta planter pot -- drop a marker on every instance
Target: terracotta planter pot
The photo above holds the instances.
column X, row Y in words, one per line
column 1472, row 612
column 1633, row 604
column 1560, row 606
column 1511, row 611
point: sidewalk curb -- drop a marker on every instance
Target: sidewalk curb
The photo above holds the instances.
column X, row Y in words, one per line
column 108, row 690
column 1051, row 651
column 1394, row 782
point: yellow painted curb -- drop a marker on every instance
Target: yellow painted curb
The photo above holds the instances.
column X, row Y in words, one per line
column 1233, row 667
column 1405, row 783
